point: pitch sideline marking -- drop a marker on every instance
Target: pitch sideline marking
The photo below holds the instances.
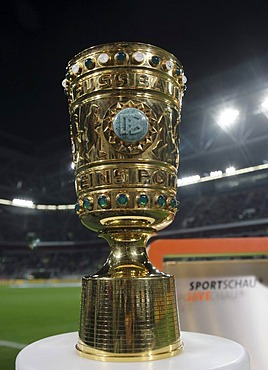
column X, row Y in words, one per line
column 6, row 343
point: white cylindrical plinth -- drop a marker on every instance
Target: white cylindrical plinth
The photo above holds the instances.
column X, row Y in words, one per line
column 201, row 351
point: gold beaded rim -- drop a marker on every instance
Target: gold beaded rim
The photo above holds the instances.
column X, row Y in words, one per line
column 124, row 54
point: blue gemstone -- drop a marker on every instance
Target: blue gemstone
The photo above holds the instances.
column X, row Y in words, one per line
column 121, row 56
column 86, row 203
column 103, row 201
column 122, row 199
column 68, row 75
column 143, row 200
column 173, row 203
column 155, row 60
column 178, row 71
column 89, row 63
column 161, row 200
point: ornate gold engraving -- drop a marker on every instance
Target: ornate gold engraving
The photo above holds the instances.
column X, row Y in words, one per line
column 138, row 81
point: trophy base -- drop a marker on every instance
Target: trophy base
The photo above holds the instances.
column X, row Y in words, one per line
column 158, row 354
column 129, row 319
column 202, row 352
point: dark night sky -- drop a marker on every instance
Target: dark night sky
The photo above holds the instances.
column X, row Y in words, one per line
column 39, row 37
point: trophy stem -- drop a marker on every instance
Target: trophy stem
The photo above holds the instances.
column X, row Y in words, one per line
column 128, row 257
column 128, row 309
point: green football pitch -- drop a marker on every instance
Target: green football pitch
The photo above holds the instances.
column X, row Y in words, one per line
column 31, row 313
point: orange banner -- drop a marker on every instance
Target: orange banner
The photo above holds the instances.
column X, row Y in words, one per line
column 158, row 249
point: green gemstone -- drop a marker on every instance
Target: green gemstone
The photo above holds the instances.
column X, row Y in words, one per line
column 161, row 200
column 89, row 63
column 103, row 201
column 178, row 71
column 121, row 56
column 122, row 199
column 155, row 60
column 86, row 203
column 68, row 75
column 173, row 203
column 143, row 200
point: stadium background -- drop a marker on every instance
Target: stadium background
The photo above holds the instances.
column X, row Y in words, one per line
column 44, row 250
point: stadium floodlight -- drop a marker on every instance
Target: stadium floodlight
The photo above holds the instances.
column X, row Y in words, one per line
column 230, row 170
column 22, row 203
column 215, row 173
column 6, row 202
column 188, row 180
column 41, row 206
column 52, row 207
column 264, row 104
column 227, row 117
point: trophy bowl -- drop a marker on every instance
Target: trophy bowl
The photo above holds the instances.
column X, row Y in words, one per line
column 124, row 103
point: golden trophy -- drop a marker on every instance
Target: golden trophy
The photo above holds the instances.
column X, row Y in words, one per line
column 124, row 102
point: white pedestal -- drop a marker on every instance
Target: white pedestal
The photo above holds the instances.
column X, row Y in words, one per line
column 201, row 351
